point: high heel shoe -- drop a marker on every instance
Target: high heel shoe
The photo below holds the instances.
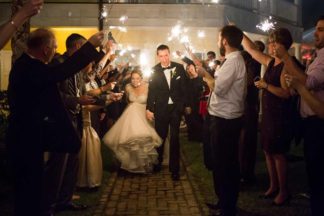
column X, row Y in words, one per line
column 271, row 195
column 283, row 203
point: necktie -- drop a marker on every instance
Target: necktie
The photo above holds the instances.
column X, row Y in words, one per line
column 72, row 86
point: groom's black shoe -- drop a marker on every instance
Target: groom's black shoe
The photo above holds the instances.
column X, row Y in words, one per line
column 175, row 176
column 71, row 207
column 213, row 206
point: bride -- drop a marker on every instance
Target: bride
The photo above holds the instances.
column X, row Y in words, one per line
column 132, row 138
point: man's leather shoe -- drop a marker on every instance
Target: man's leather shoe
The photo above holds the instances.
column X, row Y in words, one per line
column 213, row 206
column 175, row 176
column 71, row 207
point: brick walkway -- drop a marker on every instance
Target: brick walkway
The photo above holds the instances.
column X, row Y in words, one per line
column 153, row 194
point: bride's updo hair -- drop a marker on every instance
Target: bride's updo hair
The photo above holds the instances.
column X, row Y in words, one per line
column 137, row 71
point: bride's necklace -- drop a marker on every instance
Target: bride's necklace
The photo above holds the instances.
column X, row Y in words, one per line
column 136, row 86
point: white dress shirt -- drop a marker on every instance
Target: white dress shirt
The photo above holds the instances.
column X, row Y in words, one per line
column 228, row 96
column 314, row 82
column 168, row 78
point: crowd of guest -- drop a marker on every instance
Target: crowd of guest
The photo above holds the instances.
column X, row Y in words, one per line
column 79, row 98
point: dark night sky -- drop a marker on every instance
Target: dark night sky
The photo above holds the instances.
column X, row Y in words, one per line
column 311, row 10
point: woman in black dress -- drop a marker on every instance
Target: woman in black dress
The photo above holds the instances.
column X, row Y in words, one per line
column 275, row 128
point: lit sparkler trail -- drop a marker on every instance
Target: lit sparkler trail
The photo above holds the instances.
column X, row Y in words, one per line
column 179, row 33
column 266, row 25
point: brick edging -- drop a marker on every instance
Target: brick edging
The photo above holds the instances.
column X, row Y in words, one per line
column 106, row 193
column 198, row 196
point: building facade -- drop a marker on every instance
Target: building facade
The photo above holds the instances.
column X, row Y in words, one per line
column 149, row 23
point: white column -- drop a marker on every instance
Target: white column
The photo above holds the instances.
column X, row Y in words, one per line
column 297, row 51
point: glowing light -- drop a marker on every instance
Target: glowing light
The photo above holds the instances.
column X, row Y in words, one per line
column 147, row 72
column 174, row 54
column 266, row 25
column 123, row 19
column 143, row 60
column 201, row 34
column 133, row 55
column 211, row 64
column 184, row 39
column 122, row 52
column 176, row 30
column 215, row 1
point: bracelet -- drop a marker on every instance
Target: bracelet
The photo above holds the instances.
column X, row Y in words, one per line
column 13, row 24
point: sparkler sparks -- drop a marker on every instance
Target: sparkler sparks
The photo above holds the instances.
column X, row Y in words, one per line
column 266, row 25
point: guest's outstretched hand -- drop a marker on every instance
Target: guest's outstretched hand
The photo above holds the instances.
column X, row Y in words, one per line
column 31, row 8
column 97, row 39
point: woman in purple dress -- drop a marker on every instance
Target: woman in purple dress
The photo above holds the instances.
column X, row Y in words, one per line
column 275, row 128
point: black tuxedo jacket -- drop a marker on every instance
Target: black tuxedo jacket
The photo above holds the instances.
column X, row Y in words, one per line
column 37, row 114
column 159, row 91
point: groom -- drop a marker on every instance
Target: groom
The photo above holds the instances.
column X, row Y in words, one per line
column 167, row 97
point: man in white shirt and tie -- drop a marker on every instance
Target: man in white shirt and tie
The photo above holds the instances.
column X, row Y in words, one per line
column 225, row 109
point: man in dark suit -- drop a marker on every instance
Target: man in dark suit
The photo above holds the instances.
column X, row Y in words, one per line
column 62, row 166
column 167, row 97
column 37, row 114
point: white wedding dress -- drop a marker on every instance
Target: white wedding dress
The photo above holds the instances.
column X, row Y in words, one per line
column 133, row 138
column 90, row 162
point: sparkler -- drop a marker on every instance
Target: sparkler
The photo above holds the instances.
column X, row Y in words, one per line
column 266, row 25
column 104, row 13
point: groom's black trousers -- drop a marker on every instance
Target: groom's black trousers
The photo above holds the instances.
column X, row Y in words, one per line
column 171, row 118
